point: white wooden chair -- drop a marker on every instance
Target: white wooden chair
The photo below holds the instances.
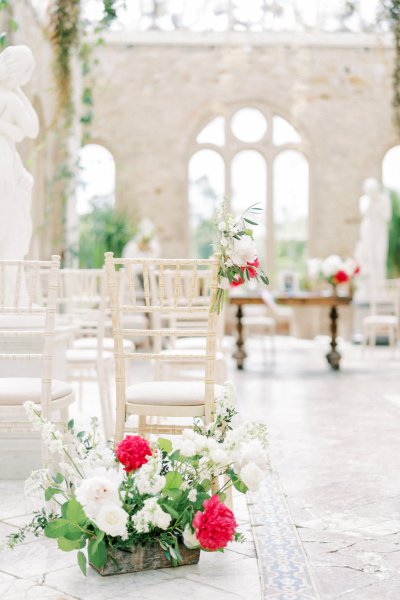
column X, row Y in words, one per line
column 178, row 347
column 384, row 317
column 90, row 358
column 175, row 399
column 28, row 302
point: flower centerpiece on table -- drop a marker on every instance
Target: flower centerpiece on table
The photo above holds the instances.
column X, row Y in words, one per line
column 336, row 270
column 238, row 256
column 168, row 494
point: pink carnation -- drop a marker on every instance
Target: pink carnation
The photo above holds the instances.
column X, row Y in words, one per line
column 132, row 452
column 214, row 527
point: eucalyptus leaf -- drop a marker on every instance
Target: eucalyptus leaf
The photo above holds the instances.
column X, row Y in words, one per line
column 82, row 561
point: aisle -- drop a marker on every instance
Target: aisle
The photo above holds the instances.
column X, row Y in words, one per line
column 334, row 441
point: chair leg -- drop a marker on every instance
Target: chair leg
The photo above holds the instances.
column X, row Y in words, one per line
column 104, row 394
column 142, row 424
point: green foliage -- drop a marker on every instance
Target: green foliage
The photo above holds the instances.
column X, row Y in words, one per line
column 9, row 23
column 104, row 229
column 391, row 13
column 203, row 239
column 393, row 260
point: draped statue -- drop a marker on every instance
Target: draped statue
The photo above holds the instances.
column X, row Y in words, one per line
column 18, row 121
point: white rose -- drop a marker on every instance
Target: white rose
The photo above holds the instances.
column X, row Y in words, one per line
column 189, row 538
column 251, row 475
column 244, row 251
column 94, row 492
column 187, row 448
column 112, row 519
column 220, row 457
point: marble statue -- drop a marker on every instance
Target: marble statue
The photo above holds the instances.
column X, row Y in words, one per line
column 18, row 121
column 372, row 247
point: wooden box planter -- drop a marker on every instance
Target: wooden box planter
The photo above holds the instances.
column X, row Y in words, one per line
column 144, row 558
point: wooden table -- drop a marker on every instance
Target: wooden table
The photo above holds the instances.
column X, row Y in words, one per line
column 331, row 301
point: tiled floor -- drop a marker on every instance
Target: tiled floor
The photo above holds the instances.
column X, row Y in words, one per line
column 335, row 443
column 335, row 446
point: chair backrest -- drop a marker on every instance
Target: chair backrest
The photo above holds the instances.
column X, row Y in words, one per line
column 82, row 299
column 28, row 302
column 384, row 297
column 170, row 291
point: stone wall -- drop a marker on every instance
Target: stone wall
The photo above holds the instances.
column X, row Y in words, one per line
column 151, row 100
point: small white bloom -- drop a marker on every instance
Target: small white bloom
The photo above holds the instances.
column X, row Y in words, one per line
column 150, row 515
column 36, row 482
column 244, row 251
column 184, row 486
column 251, row 475
column 220, row 457
column 189, row 538
column 148, row 479
column 112, row 519
column 192, row 496
column 52, row 438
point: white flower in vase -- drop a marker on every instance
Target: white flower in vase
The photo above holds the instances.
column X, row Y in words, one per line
column 331, row 265
column 189, row 538
column 112, row 519
column 150, row 515
column 244, row 251
column 148, row 479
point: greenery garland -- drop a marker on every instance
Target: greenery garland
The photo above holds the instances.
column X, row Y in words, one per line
column 11, row 25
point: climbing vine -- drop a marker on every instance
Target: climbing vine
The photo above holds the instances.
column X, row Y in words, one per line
column 391, row 14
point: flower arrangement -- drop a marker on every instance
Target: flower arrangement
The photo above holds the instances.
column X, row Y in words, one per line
column 238, row 256
column 170, row 492
column 334, row 269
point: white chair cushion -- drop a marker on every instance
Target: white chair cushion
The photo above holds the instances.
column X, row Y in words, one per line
column 170, row 393
column 191, row 342
column 82, row 355
column 108, row 344
column 15, row 391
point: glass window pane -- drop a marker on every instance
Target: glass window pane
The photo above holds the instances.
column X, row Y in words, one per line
column 96, row 178
column 291, row 191
column 249, row 186
column 206, row 189
column 391, row 169
column 283, row 132
column 213, row 132
column 249, row 125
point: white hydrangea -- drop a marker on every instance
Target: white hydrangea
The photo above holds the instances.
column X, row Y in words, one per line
column 37, row 482
column 189, row 538
column 99, row 456
column 251, row 475
column 151, row 515
column 112, row 519
column 220, row 456
column 69, row 472
column 148, row 479
column 94, row 492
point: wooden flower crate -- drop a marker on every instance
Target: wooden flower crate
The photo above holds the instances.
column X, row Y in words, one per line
column 144, row 558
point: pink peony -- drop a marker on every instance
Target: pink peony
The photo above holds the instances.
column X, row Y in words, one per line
column 132, row 452
column 215, row 526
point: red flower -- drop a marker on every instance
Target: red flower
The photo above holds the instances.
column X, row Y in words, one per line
column 357, row 270
column 340, row 277
column 251, row 269
column 132, row 452
column 214, row 527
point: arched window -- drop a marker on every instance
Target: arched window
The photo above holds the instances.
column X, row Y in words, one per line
column 391, row 169
column 252, row 156
column 96, row 179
